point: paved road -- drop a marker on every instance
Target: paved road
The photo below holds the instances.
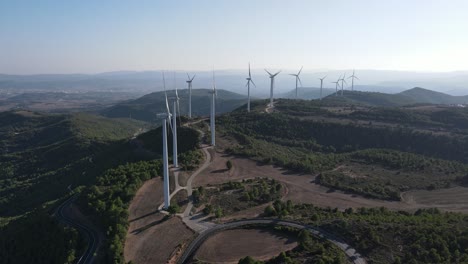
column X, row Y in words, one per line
column 91, row 235
column 348, row 250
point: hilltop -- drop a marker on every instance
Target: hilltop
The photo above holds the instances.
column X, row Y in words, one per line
column 421, row 95
column 148, row 106
column 408, row 97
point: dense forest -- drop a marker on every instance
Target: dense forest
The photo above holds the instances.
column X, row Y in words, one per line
column 383, row 236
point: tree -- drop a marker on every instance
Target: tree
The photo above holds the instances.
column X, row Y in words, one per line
column 269, row 211
column 229, row 164
column 249, row 260
column 173, row 209
column 218, row 212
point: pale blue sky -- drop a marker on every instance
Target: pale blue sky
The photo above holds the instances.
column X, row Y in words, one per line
column 96, row 36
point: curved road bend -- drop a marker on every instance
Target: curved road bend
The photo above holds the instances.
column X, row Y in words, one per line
column 91, row 235
column 350, row 252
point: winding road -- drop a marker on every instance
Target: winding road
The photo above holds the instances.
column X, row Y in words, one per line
column 90, row 234
column 350, row 252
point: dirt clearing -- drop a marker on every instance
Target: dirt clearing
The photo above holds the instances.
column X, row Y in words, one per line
column 151, row 236
column 231, row 245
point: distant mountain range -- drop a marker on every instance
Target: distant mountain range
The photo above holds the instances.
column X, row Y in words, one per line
column 147, row 107
column 454, row 83
column 413, row 96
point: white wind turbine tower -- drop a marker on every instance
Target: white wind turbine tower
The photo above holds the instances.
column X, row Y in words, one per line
column 174, row 126
column 165, row 121
column 213, row 113
column 272, row 77
column 321, row 85
column 189, row 82
column 297, row 78
column 343, row 81
column 352, row 80
column 337, row 83
column 249, row 80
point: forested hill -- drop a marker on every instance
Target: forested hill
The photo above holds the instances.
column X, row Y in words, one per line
column 42, row 154
column 390, row 149
column 409, row 97
column 147, row 107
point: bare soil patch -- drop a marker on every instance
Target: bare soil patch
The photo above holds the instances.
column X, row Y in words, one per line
column 301, row 187
column 231, row 245
column 450, row 199
column 151, row 236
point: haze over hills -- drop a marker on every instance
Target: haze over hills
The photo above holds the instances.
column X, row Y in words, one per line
column 147, row 107
column 408, row 97
column 454, row 83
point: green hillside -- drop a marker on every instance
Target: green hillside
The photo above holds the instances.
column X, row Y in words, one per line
column 49, row 152
column 395, row 149
column 147, row 107
column 409, row 97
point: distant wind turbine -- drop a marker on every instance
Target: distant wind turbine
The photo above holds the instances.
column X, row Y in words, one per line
column 272, row 77
column 352, row 80
column 337, row 83
column 343, row 81
column 189, row 82
column 249, row 80
column 297, row 78
column 321, row 85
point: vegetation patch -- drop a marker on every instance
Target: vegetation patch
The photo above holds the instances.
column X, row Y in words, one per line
column 383, row 236
column 232, row 197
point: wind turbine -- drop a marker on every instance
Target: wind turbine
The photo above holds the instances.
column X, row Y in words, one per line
column 249, row 80
column 189, row 82
column 352, row 80
column 321, row 85
column 343, row 81
column 165, row 121
column 174, row 125
column 272, row 77
column 213, row 112
column 297, row 78
column 337, row 83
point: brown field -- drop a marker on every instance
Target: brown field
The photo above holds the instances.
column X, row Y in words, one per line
column 231, row 245
column 452, row 199
column 151, row 238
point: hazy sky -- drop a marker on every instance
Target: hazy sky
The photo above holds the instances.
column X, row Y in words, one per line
column 96, row 36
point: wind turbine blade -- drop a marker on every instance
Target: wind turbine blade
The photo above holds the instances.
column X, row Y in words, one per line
column 293, row 74
column 268, row 72
column 276, row 74
column 300, row 70
column 188, row 76
column 253, row 83
column 299, row 80
column 250, row 76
